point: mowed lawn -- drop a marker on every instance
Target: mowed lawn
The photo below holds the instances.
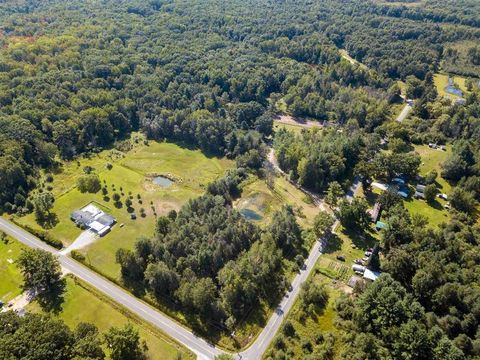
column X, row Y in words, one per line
column 83, row 304
column 431, row 160
column 130, row 177
column 10, row 277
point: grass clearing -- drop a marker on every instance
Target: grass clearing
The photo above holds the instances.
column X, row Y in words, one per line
column 10, row 277
column 441, row 82
column 84, row 304
column 130, row 176
column 259, row 199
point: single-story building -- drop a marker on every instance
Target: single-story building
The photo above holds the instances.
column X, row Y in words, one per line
column 93, row 219
column 375, row 212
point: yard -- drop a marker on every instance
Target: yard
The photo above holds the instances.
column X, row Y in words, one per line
column 431, row 160
column 84, row 304
column 131, row 176
column 10, row 276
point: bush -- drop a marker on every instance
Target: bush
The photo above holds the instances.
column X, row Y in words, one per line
column 43, row 235
column 77, row 256
column 278, row 342
column 89, row 183
column 288, row 329
column 430, row 192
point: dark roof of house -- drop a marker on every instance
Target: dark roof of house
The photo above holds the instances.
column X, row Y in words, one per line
column 81, row 217
column 107, row 220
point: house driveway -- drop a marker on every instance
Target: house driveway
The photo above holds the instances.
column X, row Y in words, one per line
column 84, row 239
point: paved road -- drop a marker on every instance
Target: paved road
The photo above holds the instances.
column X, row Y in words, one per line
column 199, row 346
column 258, row 348
column 405, row 111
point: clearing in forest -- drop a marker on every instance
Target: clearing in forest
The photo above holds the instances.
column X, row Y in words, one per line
column 132, row 176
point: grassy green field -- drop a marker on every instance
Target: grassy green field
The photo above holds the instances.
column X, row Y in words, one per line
column 431, row 160
column 130, row 176
column 308, row 328
column 290, row 127
column 84, row 304
column 441, row 82
column 261, row 200
column 10, row 276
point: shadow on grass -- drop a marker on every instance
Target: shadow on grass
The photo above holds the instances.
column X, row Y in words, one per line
column 363, row 240
column 50, row 221
column 53, row 299
column 334, row 243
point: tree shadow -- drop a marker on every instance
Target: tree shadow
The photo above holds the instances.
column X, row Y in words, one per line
column 53, row 299
column 362, row 240
column 50, row 221
column 435, row 204
column 334, row 243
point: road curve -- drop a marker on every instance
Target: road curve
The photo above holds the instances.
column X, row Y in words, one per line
column 200, row 347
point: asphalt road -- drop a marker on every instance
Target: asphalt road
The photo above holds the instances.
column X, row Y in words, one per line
column 200, row 347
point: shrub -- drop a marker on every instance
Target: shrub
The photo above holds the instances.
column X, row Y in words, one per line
column 89, row 183
column 288, row 329
column 77, row 256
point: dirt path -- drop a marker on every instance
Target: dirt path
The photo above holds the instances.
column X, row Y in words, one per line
column 290, row 120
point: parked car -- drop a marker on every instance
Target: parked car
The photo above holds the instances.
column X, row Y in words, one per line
column 443, row 196
column 368, row 253
column 341, row 257
column 358, row 261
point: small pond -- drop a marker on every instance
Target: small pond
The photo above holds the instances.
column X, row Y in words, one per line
column 249, row 214
column 162, row 181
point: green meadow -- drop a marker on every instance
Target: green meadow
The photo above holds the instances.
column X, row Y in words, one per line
column 131, row 177
column 84, row 304
column 10, row 276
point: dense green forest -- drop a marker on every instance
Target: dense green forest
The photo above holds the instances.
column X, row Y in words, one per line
column 79, row 77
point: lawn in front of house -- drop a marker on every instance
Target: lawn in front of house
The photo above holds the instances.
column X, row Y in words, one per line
column 131, row 177
column 431, row 160
column 10, row 276
column 85, row 304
